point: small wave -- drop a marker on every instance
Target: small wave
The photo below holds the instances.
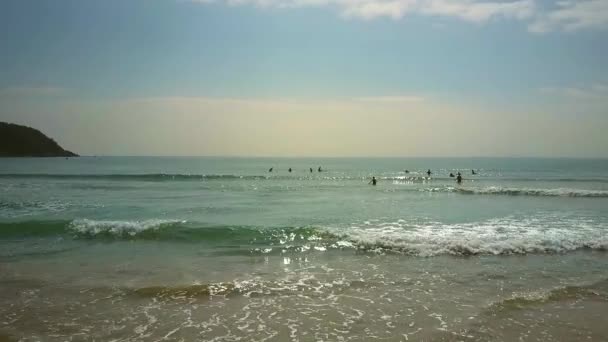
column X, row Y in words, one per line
column 127, row 177
column 412, row 179
column 506, row 191
column 423, row 179
column 527, row 299
column 83, row 228
column 32, row 228
column 88, row 227
column 23, row 209
column 168, row 177
column 171, row 230
column 559, row 192
column 18, row 206
column 396, row 179
column 180, row 230
column 543, row 179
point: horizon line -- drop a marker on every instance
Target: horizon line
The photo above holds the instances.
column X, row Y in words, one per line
column 332, row 157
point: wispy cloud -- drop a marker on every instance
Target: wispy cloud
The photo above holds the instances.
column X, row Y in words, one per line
column 596, row 91
column 468, row 10
column 391, row 99
column 572, row 16
column 288, row 104
column 555, row 15
column 477, row 11
column 33, row 91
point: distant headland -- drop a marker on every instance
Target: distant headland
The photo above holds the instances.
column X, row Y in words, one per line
column 23, row 141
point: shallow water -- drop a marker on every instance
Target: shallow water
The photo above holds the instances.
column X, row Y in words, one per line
column 221, row 249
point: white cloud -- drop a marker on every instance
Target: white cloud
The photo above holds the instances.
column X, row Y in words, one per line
column 373, row 9
column 557, row 15
column 572, row 16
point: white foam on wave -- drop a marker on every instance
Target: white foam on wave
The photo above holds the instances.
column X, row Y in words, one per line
column 118, row 228
column 509, row 235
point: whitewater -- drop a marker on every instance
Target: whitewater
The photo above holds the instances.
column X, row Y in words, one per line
column 221, row 249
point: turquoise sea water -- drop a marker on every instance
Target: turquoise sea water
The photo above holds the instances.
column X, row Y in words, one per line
column 134, row 248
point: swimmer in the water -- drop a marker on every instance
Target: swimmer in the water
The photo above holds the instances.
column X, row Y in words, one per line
column 428, row 172
column 320, row 170
column 311, row 170
column 473, row 172
column 270, row 170
column 373, row 181
column 451, row 175
column 289, row 169
column 459, row 178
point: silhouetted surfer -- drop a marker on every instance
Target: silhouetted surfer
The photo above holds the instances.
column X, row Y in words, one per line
column 428, row 172
column 459, row 178
column 407, row 171
column 373, row 181
column 473, row 172
column 270, row 170
column 320, row 170
column 451, row 175
column 311, row 170
column 289, row 169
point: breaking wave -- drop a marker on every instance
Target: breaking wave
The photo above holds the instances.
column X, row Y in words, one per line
column 511, row 235
column 501, row 236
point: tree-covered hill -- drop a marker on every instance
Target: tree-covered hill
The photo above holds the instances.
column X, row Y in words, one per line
column 23, row 141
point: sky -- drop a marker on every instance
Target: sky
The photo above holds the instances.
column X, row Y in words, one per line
column 309, row 77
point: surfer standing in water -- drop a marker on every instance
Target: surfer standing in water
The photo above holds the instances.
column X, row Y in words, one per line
column 373, row 181
column 428, row 172
column 459, row 178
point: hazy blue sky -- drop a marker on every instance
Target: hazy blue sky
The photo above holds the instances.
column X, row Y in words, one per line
column 309, row 77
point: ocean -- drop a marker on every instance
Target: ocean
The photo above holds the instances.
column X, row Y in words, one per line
column 221, row 249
